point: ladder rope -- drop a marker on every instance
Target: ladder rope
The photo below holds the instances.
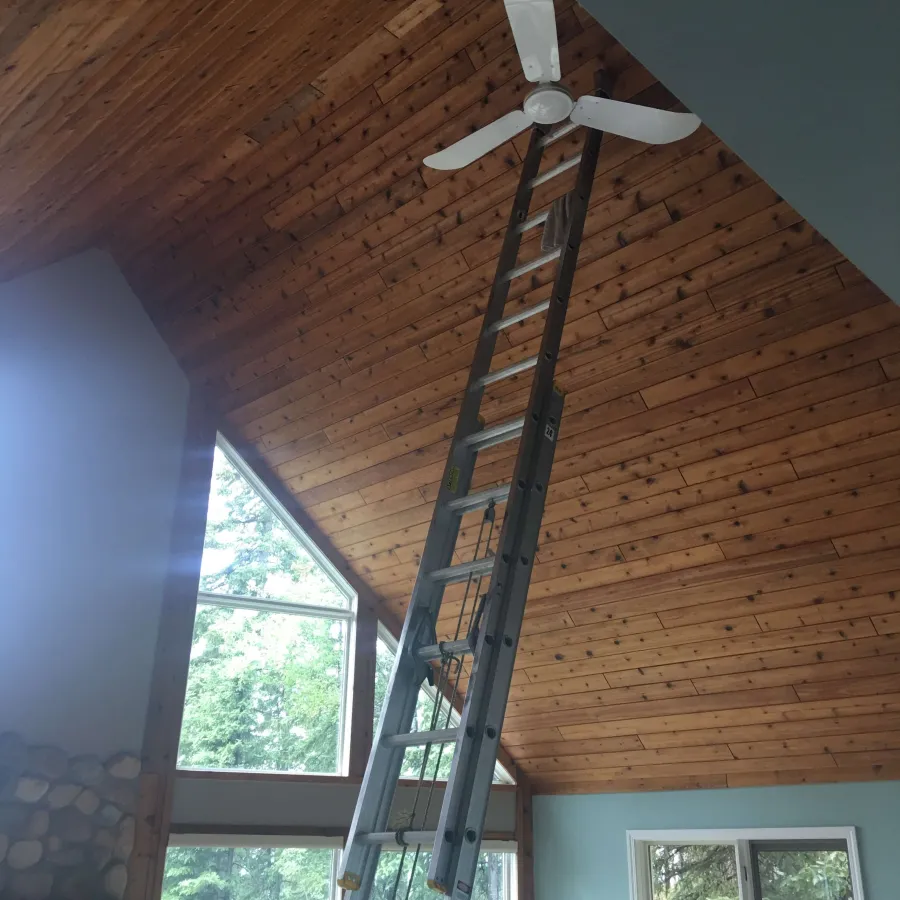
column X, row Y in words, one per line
column 447, row 660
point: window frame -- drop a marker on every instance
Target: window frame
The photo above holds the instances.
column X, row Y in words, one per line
column 743, row 839
column 266, row 842
column 214, row 839
column 346, row 614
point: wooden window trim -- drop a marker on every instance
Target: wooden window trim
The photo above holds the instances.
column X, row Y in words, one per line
column 524, row 837
column 172, row 656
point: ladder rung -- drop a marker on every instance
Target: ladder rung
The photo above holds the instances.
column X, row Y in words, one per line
column 534, row 221
column 496, row 434
column 560, row 132
column 507, row 371
column 521, row 315
column 420, row 738
column 452, row 648
column 390, row 837
column 535, row 263
column 462, row 571
column 480, row 499
column 564, row 166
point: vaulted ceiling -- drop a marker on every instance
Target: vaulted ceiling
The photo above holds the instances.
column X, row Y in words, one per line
column 713, row 602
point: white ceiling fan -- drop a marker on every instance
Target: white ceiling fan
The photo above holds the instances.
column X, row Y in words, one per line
column 534, row 31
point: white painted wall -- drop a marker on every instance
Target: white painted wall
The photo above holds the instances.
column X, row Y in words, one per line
column 92, row 415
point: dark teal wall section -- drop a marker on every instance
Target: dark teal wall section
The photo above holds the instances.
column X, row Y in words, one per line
column 807, row 92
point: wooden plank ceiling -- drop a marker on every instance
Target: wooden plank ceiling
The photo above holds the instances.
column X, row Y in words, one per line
column 714, row 601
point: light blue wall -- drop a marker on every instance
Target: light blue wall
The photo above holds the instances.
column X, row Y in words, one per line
column 580, row 844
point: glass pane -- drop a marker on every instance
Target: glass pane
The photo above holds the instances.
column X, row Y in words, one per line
column 412, row 759
column 247, row 873
column 249, row 552
column 264, row 692
column 489, row 881
column 804, row 875
column 693, row 872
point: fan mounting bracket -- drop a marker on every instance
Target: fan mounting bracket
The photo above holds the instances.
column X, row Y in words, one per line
column 548, row 104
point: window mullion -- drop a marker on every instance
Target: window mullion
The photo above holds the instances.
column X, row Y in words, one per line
column 640, row 866
column 265, row 604
column 344, row 718
column 510, row 877
column 747, row 883
column 335, row 892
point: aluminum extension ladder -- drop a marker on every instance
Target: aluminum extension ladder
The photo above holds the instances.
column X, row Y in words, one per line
column 493, row 634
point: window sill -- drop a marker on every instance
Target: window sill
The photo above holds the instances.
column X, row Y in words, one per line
column 261, row 775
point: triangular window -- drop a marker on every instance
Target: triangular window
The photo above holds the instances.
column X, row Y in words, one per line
column 268, row 676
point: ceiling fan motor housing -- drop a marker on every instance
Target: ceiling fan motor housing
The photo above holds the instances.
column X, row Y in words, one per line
column 548, row 104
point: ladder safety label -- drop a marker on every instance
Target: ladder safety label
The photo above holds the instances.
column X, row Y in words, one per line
column 453, row 479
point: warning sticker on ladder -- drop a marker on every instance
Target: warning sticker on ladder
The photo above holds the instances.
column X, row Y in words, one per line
column 453, row 479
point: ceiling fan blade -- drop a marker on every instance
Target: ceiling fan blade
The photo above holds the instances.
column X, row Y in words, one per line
column 640, row 123
column 534, row 29
column 475, row 145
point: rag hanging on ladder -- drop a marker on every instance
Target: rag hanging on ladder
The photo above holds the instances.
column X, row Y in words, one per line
column 556, row 226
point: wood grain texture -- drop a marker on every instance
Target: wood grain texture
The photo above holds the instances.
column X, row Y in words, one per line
column 168, row 685
column 714, row 600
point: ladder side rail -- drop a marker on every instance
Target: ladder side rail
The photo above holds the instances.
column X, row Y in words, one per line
column 359, row 861
column 474, row 742
column 464, row 858
column 472, row 727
